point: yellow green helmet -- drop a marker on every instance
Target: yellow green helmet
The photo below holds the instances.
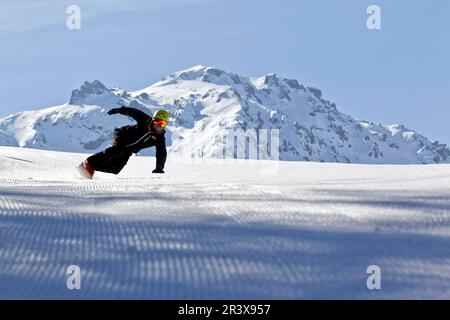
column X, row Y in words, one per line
column 161, row 115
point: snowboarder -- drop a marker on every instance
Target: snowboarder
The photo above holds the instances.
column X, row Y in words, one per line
column 147, row 132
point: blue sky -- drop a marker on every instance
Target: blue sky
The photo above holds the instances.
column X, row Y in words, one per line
column 399, row 74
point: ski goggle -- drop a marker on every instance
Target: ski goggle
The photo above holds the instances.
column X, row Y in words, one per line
column 160, row 123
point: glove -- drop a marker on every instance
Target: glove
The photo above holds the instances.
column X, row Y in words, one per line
column 113, row 111
column 158, row 170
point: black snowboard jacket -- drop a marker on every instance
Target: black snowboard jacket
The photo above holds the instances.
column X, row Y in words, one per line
column 141, row 135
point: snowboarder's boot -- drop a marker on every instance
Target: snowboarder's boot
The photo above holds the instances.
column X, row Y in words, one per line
column 86, row 170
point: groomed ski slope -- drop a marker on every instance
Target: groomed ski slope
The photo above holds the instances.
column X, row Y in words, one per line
column 222, row 229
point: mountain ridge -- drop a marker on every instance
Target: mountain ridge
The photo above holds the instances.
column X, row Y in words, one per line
column 205, row 102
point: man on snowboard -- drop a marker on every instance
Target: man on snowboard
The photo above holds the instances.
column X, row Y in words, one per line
column 147, row 132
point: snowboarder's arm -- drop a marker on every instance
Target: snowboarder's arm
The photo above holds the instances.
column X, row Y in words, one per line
column 150, row 140
column 138, row 115
column 161, row 155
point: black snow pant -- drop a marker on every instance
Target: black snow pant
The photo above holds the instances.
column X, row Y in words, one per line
column 111, row 160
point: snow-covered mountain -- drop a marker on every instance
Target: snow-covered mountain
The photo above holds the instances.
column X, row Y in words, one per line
column 204, row 102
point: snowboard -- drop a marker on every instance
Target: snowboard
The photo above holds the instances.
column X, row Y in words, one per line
column 83, row 172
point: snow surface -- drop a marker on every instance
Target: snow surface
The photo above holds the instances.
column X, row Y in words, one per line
column 222, row 229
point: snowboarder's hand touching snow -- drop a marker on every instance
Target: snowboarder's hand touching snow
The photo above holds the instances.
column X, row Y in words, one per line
column 158, row 170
